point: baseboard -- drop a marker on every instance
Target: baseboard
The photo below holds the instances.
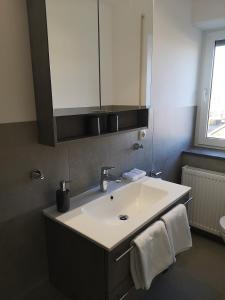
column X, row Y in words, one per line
column 208, row 235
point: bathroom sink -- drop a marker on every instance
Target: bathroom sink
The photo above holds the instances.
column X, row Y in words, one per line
column 109, row 218
column 124, row 204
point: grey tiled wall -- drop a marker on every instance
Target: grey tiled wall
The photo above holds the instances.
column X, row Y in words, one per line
column 23, row 261
column 173, row 132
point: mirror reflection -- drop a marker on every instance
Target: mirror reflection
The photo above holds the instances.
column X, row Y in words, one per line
column 100, row 53
column 126, row 30
column 73, row 52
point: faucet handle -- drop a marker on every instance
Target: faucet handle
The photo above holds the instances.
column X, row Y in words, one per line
column 104, row 170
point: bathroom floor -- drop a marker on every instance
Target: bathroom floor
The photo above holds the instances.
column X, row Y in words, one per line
column 199, row 274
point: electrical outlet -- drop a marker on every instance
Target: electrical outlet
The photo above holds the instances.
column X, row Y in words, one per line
column 142, row 134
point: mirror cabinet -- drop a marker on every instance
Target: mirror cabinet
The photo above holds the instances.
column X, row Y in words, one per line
column 91, row 66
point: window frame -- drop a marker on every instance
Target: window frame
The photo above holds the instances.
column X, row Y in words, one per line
column 204, row 94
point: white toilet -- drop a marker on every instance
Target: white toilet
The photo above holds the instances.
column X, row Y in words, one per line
column 222, row 227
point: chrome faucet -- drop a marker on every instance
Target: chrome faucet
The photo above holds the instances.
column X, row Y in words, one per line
column 106, row 177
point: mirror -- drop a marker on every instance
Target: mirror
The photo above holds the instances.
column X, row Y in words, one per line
column 73, row 53
column 100, row 54
column 126, row 33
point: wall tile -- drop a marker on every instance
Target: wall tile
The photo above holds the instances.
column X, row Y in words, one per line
column 19, row 154
column 173, row 132
column 87, row 157
column 23, row 257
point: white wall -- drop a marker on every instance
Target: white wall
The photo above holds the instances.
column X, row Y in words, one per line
column 209, row 14
column 176, row 49
column 16, row 82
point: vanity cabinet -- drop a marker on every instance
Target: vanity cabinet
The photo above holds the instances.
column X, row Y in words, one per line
column 83, row 270
column 91, row 59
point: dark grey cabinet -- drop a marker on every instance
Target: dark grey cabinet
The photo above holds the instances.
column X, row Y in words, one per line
column 83, row 270
column 66, row 63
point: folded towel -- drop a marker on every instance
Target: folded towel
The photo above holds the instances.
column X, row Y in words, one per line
column 134, row 174
column 152, row 254
column 178, row 229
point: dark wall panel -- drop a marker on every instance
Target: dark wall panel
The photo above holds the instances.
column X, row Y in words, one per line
column 19, row 154
column 173, row 133
column 22, row 255
column 87, row 157
column 23, row 258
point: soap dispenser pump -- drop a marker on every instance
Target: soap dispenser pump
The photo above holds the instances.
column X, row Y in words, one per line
column 62, row 197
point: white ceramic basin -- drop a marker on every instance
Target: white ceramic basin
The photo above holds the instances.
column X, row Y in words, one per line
column 97, row 215
column 131, row 200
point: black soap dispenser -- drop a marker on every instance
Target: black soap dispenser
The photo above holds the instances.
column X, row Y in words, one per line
column 63, row 197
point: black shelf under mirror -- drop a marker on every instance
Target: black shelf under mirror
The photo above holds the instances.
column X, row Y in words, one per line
column 72, row 127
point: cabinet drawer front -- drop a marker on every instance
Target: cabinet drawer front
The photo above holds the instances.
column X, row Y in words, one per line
column 126, row 291
column 122, row 292
column 119, row 271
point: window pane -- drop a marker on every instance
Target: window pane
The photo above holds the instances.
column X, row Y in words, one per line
column 216, row 119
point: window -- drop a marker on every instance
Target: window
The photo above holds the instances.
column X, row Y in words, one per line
column 211, row 113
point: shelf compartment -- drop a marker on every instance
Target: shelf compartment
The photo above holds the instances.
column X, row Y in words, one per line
column 77, row 126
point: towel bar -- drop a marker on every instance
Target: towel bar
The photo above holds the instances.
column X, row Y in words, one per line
column 132, row 247
column 189, row 200
column 124, row 296
column 125, row 253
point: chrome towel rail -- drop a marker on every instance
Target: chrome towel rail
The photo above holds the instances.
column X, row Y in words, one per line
column 124, row 296
column 132, row 247
column 189, row 200
column 125, row 253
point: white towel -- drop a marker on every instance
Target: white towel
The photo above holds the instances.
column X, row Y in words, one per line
column 152, row 254
column 178, row 229
column 134, row 174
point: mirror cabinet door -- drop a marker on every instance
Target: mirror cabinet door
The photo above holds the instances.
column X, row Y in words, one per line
column 126, row 30
column 73, row 53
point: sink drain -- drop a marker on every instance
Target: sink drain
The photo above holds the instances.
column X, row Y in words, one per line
column 123, row 217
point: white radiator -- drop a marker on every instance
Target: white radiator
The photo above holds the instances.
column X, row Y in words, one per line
column 208, row 192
